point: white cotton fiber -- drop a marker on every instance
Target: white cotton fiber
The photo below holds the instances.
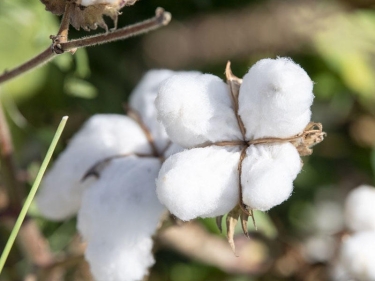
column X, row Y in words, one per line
column 201, row 182
column 196, row 108
column 357, row 256
column 119, row 214
column 319, row 248
column 268, row 172
column 95, row 2
column 360, row 209
column 275, row 99
column 172, row 149
column 142, row 100
column 102, row 136
column 327, row 217
column 115, row 261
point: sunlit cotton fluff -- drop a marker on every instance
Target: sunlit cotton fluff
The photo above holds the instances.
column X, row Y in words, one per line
column 201, row 182
column 268, row 173
column 196, row 108
column 197, row 111
column 96, row 2
column 357, row 256
column 103, row 135
column 275, row 99
column 142, row 101
column 119, row 211
column 118, row 216
column 360, row 209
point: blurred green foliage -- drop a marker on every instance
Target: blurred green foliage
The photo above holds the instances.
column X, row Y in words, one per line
column 340, row 59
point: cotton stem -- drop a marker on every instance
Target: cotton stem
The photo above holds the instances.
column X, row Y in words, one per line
column 161, row 18
column 137, row 118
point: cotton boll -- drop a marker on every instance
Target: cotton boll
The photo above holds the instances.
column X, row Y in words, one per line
column 357, row 255
column 201, row 182
column 115, row 261
column 142, row 100
column 268, row 172
column 102, row 136
column 196, row 108
column 338, row 272
column 328, row 217
column 96, row 2
column 124, row 199
column 319, row 248
column 359, row 209
column 119, row 214
column 172, row 149
column 275, row 99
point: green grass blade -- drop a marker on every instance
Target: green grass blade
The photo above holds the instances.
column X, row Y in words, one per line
column 31, row 195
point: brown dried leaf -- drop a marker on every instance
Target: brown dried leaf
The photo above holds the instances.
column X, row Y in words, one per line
column 234, row 85
column 232, row 219
column 219, row 220
column 56, row 7
column 311, row 136
column 244, row 217
column 88, row 17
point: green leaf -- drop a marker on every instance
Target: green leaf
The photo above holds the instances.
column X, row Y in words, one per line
column 25, row 28
column 80, row 88
column 346, row 44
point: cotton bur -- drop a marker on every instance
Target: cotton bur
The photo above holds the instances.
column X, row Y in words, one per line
column 107, row 174
column 243, row 140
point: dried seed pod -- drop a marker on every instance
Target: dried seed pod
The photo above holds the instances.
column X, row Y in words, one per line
column 88, row 14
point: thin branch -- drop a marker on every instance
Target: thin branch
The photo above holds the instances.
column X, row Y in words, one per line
column 37, row 61
column 137, row 118
column 100, row 165
column 161, row 18
column 62, row 34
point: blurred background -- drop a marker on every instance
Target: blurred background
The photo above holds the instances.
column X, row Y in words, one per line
column 334, row 41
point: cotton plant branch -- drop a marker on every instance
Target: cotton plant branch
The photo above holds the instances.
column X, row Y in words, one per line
column 60, row 45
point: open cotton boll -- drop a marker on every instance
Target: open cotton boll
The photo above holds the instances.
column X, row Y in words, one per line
column 124, row 199
column 172, row 149
column 268, row 172
column 142, row 99
column 201, row 182
column 103, row 135
column 196, row 108
column 357, row 255
column 112, row 260
column 119, row 214
column 95, row 2
column 275, row 99
column 359, row 208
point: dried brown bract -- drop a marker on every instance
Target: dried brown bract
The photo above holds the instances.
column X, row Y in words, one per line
column 88, row 14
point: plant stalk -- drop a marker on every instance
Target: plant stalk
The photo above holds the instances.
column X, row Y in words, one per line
column 161, row 18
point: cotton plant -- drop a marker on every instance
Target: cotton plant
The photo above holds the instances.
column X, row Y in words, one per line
column 243, row 140
column 107, row 175
column 356, row 254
